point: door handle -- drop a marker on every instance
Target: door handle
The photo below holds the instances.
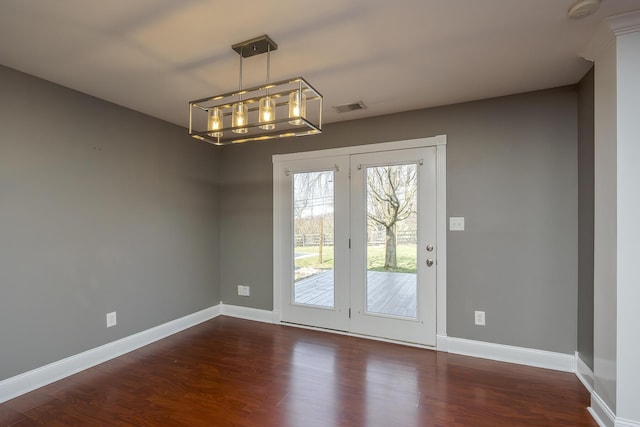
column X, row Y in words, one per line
column 429, row 262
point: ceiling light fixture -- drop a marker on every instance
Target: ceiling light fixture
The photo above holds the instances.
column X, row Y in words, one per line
column 285, row 108
column 583, row 8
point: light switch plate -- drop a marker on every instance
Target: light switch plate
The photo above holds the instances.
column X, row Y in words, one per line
column 111, row 319
column 456, row 223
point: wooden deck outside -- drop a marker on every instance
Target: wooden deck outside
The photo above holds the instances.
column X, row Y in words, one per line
column 388, row 293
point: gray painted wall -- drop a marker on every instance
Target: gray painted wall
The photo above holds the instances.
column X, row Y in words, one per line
column 511, row 172
column 101, row 209
column 585, row 217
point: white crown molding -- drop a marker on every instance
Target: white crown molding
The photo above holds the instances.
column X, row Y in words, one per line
column 507, row 353
column 47, row 374
column 607, row 32
column 625, row 23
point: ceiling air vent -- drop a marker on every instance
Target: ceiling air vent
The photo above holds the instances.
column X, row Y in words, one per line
column 350, row 107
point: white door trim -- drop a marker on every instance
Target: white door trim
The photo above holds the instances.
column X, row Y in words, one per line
column 440, row 142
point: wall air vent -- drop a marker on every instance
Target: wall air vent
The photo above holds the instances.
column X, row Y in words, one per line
column 350, row 107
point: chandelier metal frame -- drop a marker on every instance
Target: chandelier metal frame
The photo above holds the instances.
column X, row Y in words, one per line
column 297, row 106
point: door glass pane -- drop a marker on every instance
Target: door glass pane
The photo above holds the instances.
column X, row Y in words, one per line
column 392, row 240
column 313, row 238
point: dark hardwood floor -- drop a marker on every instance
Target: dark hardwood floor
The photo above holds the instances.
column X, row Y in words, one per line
column 231, row 372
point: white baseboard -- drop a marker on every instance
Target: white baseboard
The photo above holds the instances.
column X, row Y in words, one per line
column 605, row 417
column 442, row 343
column 621, row 422
column 584, row 373
column 601, row 412
column 39, row 377
column 247, row 313
column 506, row 353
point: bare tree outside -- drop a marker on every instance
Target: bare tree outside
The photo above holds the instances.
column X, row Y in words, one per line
column 312, row 191
column 391, row 199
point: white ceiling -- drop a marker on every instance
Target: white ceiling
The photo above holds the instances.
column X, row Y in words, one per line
column 154, row 56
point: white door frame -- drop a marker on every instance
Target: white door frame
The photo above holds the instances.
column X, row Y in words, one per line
column 440, row 142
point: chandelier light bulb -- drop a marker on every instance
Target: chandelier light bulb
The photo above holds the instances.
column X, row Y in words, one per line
column 215, row 122
column 297, row 107
column 239, row 117
column 267, row 112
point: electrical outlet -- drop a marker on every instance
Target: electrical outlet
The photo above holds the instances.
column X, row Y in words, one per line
column 480, row 318
column 244, row 291
column 111, row 319
column 456, row 223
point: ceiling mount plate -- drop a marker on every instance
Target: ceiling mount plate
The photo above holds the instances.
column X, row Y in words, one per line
column 255, row 46
column 583, row 8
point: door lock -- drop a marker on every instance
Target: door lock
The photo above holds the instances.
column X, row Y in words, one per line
column 429, row 262
column 429, row 248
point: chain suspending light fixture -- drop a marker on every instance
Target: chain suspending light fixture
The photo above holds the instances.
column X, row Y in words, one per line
column 285, row 108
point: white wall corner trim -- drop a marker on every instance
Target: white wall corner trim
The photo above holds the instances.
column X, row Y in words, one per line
column 39, row 377
column 248, row 313
column 601, row 412
column 584, row 373
column 511, row 354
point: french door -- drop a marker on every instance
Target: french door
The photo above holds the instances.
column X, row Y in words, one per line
column 315, row 242
column 358, row 241
column 393, row 236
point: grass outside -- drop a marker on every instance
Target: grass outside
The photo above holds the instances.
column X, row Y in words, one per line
column 405, row 255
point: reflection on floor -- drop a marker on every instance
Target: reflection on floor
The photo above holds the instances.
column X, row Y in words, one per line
column 388, row 293
column 232, row 372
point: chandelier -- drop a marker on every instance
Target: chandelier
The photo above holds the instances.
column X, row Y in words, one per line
column 290, row 107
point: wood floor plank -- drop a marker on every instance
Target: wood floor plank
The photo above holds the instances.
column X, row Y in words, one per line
column 9, row 416
column 232, row 372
